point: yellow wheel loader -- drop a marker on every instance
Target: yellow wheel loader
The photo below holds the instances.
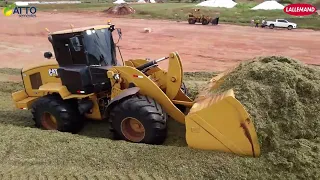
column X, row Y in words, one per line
column 197, row 17
column 86, row 81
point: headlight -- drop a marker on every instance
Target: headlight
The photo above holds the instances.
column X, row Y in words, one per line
column 88, row 32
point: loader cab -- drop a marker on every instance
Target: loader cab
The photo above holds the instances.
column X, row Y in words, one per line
column 84, row 55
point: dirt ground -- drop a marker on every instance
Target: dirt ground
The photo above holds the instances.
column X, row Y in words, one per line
column 202, row 48
column 37, row 154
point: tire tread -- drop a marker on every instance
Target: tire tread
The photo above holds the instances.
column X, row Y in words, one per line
column 71, row 120
column 149, row 109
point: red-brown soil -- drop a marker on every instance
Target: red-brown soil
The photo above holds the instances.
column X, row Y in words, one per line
column 202, row 48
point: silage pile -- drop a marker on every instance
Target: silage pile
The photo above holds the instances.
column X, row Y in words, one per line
column 283, row 97
column 122, row 9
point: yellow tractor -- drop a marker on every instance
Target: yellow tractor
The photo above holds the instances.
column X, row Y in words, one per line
column 196, row 17
column 86, row 81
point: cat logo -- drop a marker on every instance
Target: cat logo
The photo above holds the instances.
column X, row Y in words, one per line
column 53, row 72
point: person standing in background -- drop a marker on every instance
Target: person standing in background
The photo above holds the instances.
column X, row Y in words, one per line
column 257, row 21
column 263, row 22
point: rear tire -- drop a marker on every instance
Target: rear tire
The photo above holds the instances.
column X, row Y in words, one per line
column 52, row 113
column 139, row 119
column 271, row 26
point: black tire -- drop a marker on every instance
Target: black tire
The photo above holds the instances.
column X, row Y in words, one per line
column 205, row 22
column 191, row 21
column 271, row 26
column 65, row 112
column 144, row 110
column 290, row 27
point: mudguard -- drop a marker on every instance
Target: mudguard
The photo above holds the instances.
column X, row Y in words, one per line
column 125, row 93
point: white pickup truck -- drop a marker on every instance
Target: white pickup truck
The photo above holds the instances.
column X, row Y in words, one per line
column 281, row 23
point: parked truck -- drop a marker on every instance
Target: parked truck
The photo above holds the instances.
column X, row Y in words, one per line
column 280, row 23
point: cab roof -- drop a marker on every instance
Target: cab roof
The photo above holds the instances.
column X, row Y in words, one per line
column 81, row 29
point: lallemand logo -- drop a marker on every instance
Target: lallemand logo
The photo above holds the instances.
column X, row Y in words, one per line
column 300, row 9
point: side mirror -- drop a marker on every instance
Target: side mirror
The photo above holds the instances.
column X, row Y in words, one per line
column 47, row 55
column 75, row 42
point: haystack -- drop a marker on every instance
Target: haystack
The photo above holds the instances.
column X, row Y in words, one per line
column 269, row 5
column 218, row 3
column 121, row 9
column 141, row 1
column 119, row 2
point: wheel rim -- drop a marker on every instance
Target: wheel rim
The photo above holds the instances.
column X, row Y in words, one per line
column 132, row 129
column 49, row 121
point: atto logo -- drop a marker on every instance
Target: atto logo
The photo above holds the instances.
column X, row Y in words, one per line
column 22, row 11
column 8, row 10
column 300, row 9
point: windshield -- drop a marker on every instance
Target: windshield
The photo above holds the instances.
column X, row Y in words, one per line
column 100, row 47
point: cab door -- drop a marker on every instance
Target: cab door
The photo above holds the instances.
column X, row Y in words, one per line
column 282, row 23
column 77, row 50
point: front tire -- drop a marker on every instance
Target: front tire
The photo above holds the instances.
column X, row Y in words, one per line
column 290, row 27
column 52, row 113
column 191, row 21
column 139, row 119
column 205, row 22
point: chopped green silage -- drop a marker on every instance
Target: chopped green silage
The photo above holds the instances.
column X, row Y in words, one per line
column 10, row 71
column 196, row 81
column 283, row 97
column 289, row 136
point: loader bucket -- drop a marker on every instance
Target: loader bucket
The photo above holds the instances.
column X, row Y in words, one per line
column 221, row 123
